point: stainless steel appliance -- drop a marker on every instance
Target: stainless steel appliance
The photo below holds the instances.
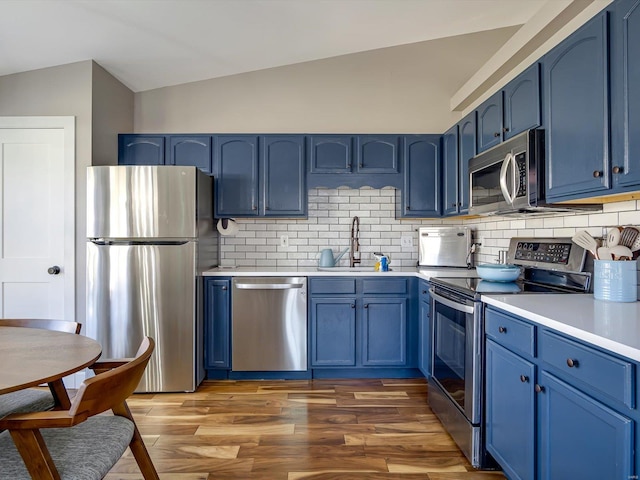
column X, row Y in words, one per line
column 269, row 324
column 509, row 179
column 150, row 235
column 445, row 247
column 456, row 389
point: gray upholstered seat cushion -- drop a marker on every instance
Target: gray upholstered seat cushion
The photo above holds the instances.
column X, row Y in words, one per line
column 28, row 400
column 84, row 452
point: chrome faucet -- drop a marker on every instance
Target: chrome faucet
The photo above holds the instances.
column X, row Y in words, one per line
column 354, row 253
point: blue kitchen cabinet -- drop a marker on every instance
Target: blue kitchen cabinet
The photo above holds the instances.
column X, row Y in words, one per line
column 450, row 171
column 333, row 331
column 330, row 153
column 217, row 322
column 582, row 438
column 190, row 150
column 384, row 331
column 424, row 329
column 378, row 154
column 625, row 93
column 576, row 110
column 557, row 407
column 236, row 182
column 490, row 122
column 466, row 151
column 420, row 196
column 284, row 174
column 522, row 102
column 136, row 149
column 510, row 411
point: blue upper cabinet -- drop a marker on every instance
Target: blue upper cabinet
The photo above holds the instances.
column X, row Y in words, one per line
column 190, row 150
column 490, row 122
column 467, row 150
column 330, row 153
column 377, row 153
column 576, row 109
column 420, row 196
column 236, row 186
column 522, row 102
column 625, row 89
column 136, row 149
column 450, row 171
column 284, row 173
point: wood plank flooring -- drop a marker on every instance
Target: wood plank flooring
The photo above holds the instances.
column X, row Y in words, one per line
column 297, row 430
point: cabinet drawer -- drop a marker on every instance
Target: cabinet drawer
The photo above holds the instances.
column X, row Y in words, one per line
column 510, row 332
column 604, row 373
column 334, row 285
column 384, row 285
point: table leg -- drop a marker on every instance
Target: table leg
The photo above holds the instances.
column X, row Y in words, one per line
column 60, row 395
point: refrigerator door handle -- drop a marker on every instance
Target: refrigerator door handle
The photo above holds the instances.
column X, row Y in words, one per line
column 108, row 241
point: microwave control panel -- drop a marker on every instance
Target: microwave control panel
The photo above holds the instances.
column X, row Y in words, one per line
column 521, row 163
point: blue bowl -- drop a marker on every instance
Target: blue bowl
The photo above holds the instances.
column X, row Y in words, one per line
column 498, row 272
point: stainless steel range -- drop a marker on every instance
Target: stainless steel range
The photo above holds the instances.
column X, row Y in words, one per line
column 456, row 389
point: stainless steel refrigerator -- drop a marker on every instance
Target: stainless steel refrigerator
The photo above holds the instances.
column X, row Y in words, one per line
column 149, row 237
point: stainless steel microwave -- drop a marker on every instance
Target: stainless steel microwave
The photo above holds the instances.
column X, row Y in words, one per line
column 508, row 179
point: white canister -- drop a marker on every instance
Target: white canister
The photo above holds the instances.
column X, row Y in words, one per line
column 614, row 280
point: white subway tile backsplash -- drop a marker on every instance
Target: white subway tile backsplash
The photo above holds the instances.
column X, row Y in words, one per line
column 257, row 243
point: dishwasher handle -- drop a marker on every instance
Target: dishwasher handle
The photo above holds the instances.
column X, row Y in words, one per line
column 268, row 286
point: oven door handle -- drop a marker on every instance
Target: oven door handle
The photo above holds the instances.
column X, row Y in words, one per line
column 450, row 303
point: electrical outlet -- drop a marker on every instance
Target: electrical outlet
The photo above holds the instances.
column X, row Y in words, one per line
column 284, row 240
column 406, row 241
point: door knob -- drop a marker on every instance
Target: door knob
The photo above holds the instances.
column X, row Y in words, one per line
column 55, row 270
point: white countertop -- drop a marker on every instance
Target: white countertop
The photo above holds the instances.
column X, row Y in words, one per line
column 611, row 325
column 425, row 273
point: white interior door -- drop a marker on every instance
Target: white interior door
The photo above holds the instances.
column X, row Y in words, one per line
column 36, row 201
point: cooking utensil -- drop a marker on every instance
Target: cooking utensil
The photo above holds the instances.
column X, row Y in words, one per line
column 604, row 253
column 498, row 272
column 586, row 241
column 628, row 236
column 636, row 245
column 620, row 252
column 613, row 237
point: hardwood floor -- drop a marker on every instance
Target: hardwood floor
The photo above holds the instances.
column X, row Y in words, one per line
column 297, row 430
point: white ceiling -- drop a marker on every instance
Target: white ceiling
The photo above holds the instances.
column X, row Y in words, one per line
column 149, row 44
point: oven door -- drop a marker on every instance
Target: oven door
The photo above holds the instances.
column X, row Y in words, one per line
column 456, row 353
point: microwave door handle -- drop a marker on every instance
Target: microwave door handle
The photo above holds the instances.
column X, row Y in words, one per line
column 509, row 159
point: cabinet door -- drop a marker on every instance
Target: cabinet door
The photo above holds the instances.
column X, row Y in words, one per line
column 579, row 436
column 625, row 93
column 576, row 113
column 330, row 153
column 333, row 332
column 384, row 331
column 450, row 171
column 216, row 323
column 284, row 174
column 237, row 176
column 377, row 153
column 522, row 102
column 140, row 149
column 510, row 411
column 490, row 122
column 467, row 144
column 190, row 150
column 421, row 194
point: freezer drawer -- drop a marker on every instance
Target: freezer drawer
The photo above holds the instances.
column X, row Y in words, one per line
column 146, row 290
column 269, row 324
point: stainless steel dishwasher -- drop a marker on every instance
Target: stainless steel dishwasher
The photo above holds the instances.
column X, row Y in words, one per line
column 269, row 324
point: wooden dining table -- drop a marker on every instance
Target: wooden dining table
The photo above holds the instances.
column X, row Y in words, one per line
column 32, row 356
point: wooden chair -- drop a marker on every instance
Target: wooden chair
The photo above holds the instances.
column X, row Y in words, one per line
column 78, row 443
column 34, row 399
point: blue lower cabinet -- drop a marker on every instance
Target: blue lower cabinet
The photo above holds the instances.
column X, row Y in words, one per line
column 510, row 412
column 333, row 332
column 384, row 331
column 217, row 322
column 581, row 437
column 424, row 329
